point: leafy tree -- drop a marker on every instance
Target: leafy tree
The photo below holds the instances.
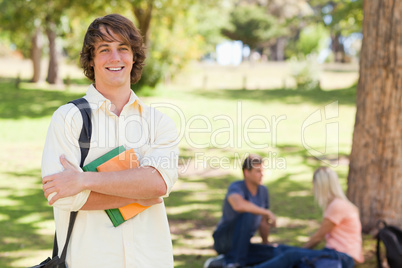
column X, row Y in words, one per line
column 76, row 22
column 251, row 25
column 33, row 18
column 341, row 17
column 311, row 40
column 24, row 30
column 30, row 18
column 51, row 22
column 57, row 15
column 175, row 32
column 289, row 16
column 293, row 16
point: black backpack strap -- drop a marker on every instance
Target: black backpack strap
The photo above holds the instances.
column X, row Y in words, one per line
column 55, row 247
column 73, row 216
column 379, row 222
column 84, row 142
column 86, row 131
column 378, row 253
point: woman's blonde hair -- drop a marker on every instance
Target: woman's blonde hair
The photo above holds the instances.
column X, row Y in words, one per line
column 327, row 187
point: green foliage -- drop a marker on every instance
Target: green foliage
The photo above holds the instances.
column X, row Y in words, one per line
column 306, row 73
column 16, row 19
column 152, row 74
column 5, row 44
column 311, row 40
column 340, row 16
column 251, row 25
column 77, row 23
column 347, row 16
column 209, row 22
column 180, row 33
column 21, row 18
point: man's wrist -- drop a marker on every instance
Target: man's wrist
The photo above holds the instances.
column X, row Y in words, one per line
column 84, row 180
column 268, row 215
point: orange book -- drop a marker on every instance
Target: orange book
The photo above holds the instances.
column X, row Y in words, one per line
column 123, row 161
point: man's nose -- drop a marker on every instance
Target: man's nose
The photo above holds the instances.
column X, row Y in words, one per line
column 115, row 56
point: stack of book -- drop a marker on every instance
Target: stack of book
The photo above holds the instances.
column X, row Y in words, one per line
column 116, row 160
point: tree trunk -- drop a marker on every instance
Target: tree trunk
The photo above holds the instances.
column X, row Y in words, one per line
column 278, row 49
column 143, row 16
column 338, row 48
column 36, row 54
column 53, row 70
column 375, row 169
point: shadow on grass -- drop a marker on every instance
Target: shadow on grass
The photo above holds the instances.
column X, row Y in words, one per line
column 30, row 103
column 22, row 102
column 198, row 206
column 76, row 81
column 185, row 261
column 198, row 202
column 285, row 199
column 20, row 219
column 186, row 225
column 345, row 96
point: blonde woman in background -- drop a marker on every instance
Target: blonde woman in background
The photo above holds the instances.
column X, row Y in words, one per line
column 340, row 227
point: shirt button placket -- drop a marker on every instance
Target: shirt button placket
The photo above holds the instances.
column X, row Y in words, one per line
column 128, row 242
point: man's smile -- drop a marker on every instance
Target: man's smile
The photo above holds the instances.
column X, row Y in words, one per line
column 115, row 69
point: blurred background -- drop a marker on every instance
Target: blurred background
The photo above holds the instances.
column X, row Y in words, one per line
column 221, row 65
column 176, row 33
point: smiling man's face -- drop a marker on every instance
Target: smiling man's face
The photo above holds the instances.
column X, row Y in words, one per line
column 112, row 63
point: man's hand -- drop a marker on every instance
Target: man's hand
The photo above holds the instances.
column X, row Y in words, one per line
column 325, row 228
column 271, row 218
column 64, row 184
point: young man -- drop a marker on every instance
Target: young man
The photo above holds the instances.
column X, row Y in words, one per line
column 245, row 209
column 112, row 57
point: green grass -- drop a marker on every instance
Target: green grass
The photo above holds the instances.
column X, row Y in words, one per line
column 194, row 206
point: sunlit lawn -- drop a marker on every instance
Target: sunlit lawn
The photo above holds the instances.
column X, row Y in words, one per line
column 296, row 131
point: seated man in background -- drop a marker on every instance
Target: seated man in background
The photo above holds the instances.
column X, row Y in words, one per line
column 245, row 209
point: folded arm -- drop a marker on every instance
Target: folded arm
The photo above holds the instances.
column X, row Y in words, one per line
column 107, row 188
column 71, row 189
column 97, row 201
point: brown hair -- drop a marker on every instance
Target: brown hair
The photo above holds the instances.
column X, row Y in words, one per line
column 251, row 161
column 120, row 26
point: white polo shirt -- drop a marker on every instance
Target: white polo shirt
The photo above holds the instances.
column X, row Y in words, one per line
column 143, row 241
